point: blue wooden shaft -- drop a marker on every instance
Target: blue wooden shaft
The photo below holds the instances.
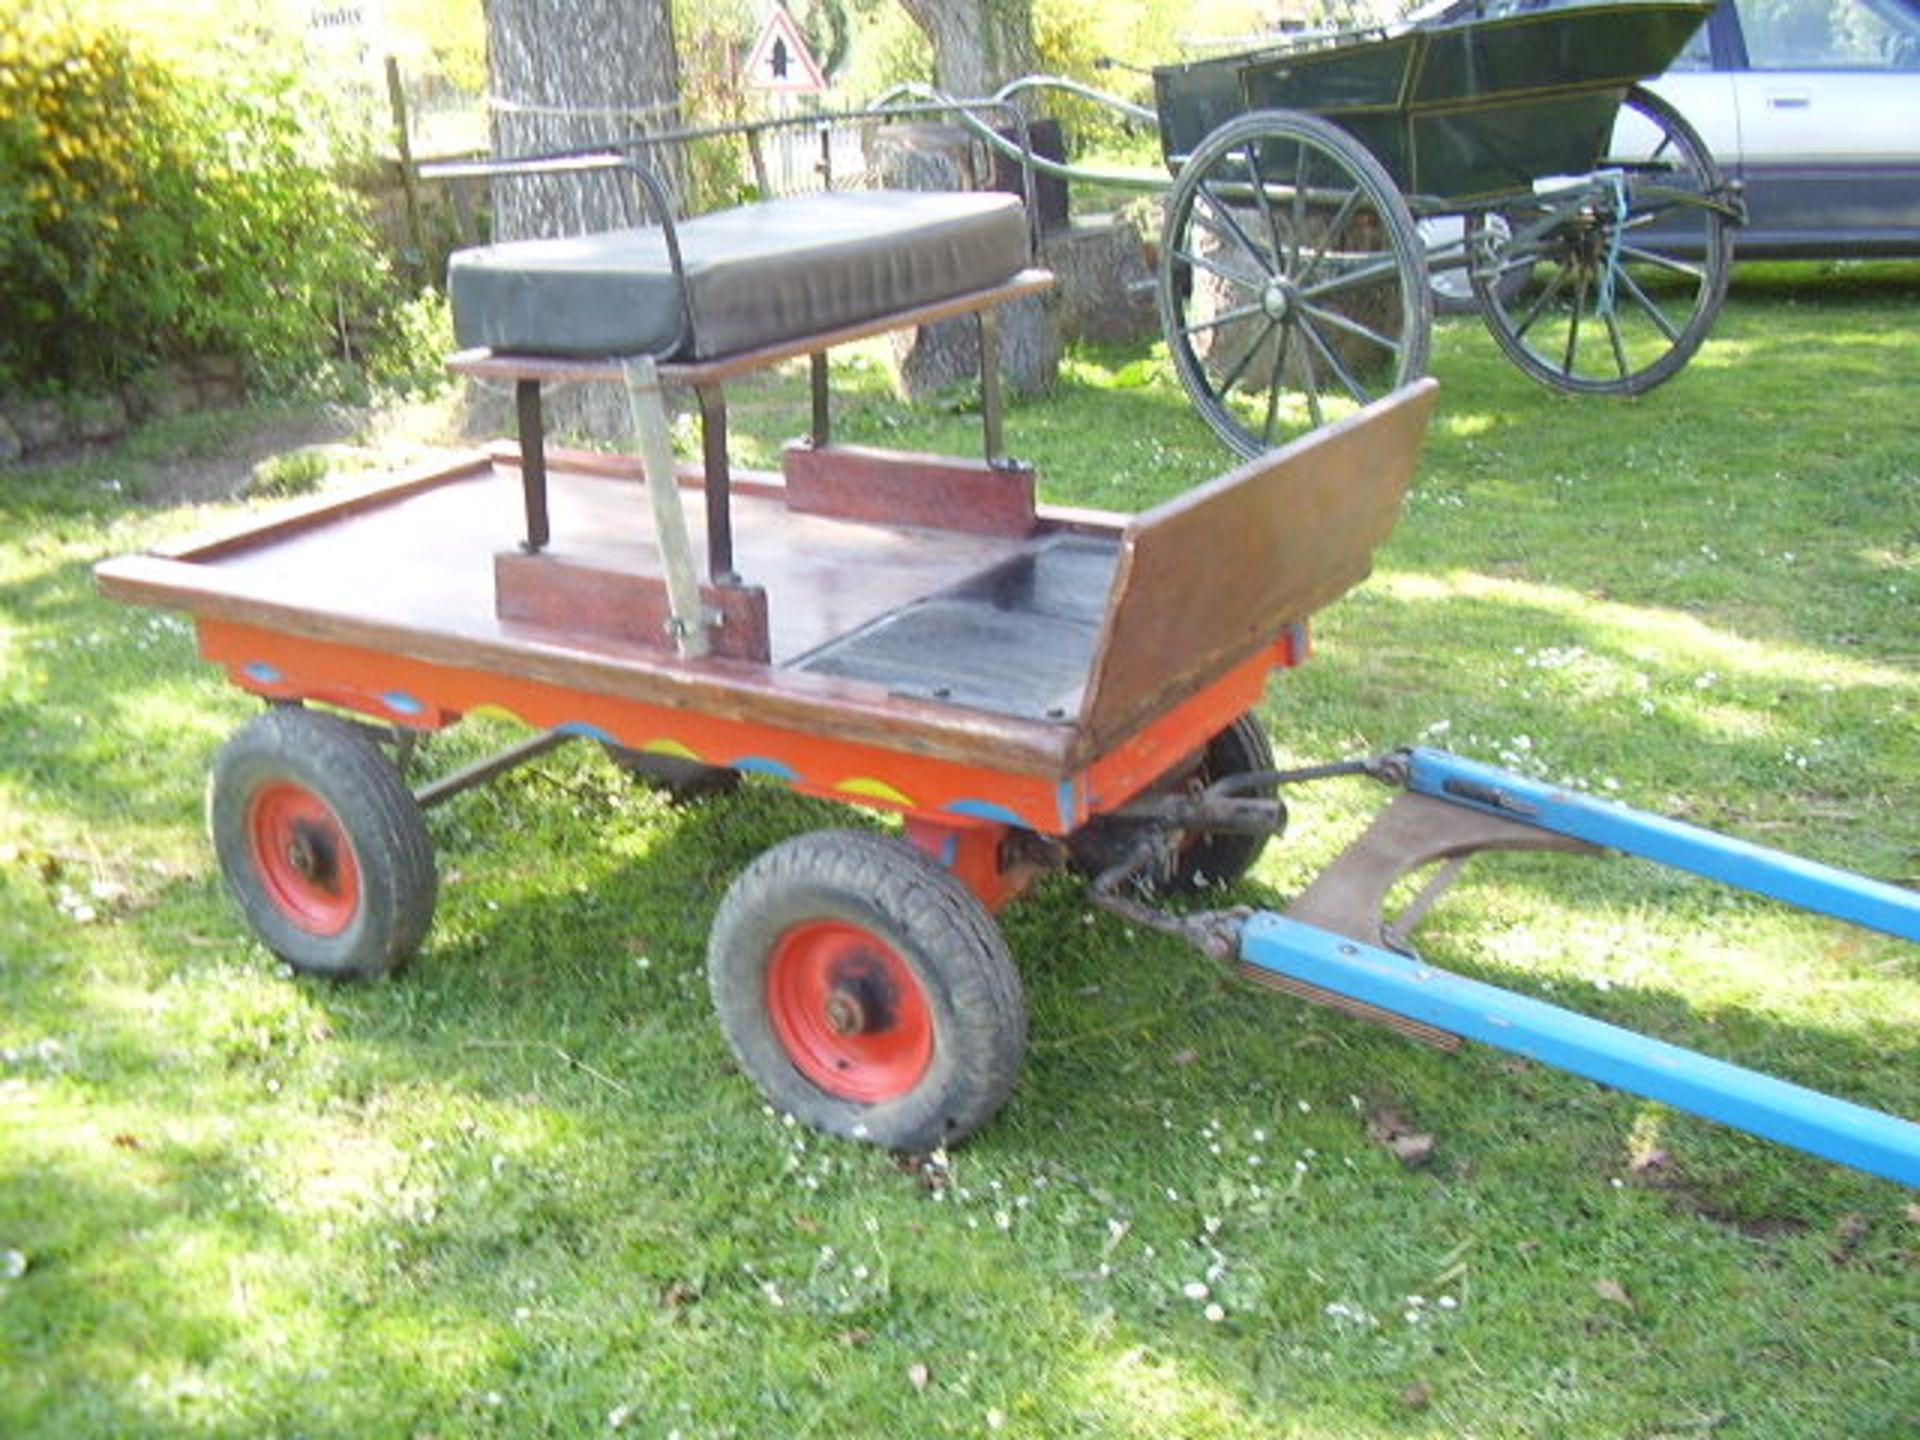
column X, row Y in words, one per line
column 1834, row 1129
column 1874, row 904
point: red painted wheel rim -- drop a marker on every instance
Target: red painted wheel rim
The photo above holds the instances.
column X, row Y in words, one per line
column 303, row 858
column 850, row 1014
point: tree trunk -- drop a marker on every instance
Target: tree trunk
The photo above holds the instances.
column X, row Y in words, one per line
column 978, row 45
column 947, row 353
column 570, row 75
column 567, row 75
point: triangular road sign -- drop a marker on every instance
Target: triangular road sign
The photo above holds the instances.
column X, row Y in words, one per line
column 780, row 59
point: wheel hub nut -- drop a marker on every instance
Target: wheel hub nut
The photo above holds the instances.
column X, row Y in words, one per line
column 302, row 857
column 308, row 856
column 845, row 1014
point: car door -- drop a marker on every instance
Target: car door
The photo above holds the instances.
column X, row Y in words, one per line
column 1828, row 105
column 1699, row 84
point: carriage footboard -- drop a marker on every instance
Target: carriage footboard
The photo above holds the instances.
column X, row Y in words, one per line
column 1110, row 631
column 1210, row 577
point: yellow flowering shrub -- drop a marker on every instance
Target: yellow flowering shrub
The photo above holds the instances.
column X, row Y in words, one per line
column 146, row 212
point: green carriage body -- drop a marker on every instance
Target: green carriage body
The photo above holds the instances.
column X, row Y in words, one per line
column 1477, row 103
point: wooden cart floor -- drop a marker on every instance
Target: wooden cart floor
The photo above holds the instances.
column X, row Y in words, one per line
column 424, row 560
column 1092, row 641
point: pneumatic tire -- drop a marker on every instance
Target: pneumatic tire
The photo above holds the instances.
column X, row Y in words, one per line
column 321, row 845
column 866, row 991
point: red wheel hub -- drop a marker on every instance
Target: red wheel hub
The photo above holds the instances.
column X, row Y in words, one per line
column 303, row 858
column 849, row 1012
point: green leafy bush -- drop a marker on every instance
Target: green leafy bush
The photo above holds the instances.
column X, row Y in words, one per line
column 148, row 211
column 408, row 356
column 278, row 477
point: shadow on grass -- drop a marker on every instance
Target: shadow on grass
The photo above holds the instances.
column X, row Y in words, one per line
column 526, row 971
column 1828, row 282
column 1133, row 1039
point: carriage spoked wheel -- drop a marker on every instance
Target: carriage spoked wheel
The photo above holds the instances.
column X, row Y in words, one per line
column 1293, row 285
column 321, row 844
column 1610, row 284
column 866, row 991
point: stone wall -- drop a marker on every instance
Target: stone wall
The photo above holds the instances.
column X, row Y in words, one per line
column 30, row 428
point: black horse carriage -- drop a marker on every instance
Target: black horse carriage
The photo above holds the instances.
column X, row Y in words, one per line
column 1587, row 213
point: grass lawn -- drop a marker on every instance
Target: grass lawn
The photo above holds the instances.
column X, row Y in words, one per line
column 521, row 1189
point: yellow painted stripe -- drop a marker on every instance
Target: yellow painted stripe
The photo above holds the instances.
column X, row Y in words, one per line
column 673, row 748
column 870, row 789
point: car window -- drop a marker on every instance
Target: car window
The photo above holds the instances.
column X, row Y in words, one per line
column 1830, row 35
column 1698, row 54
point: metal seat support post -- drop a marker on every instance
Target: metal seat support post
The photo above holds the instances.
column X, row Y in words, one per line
column 719, row 484
column 990, row 387
column 533, row 463
column 822, row 410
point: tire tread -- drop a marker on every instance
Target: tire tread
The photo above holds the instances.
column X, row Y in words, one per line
column 392, row 850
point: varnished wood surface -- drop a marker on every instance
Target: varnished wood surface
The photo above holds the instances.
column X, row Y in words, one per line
column 1213, row 574
column 425, row 557
column 326, row 509
column 1078, row 519
column 414, row 577
column 729, row 689
column 895, row 487
column 1203, row 584
column 570, row 598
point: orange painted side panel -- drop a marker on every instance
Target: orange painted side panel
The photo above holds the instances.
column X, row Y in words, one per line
column 421, row 695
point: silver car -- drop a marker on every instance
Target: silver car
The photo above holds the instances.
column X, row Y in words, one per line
column 1814, row 106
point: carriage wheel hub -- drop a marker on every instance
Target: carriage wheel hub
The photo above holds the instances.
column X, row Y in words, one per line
column 1277, row 299
column 301, row 858
column 850, row 1013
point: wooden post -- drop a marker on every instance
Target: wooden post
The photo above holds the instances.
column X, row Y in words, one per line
column 409, row 177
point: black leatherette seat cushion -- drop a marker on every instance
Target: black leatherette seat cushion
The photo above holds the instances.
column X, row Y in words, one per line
column 757, row 275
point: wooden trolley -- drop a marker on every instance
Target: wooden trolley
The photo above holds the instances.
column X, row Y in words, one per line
column 1026, row 687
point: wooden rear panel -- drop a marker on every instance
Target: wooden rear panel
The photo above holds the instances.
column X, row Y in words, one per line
column 893, row 487
column 1213, row 575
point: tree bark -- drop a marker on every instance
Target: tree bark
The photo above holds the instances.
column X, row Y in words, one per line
column 571, row 75
column 568, row 75
column 947, row 353
column 978, row 45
